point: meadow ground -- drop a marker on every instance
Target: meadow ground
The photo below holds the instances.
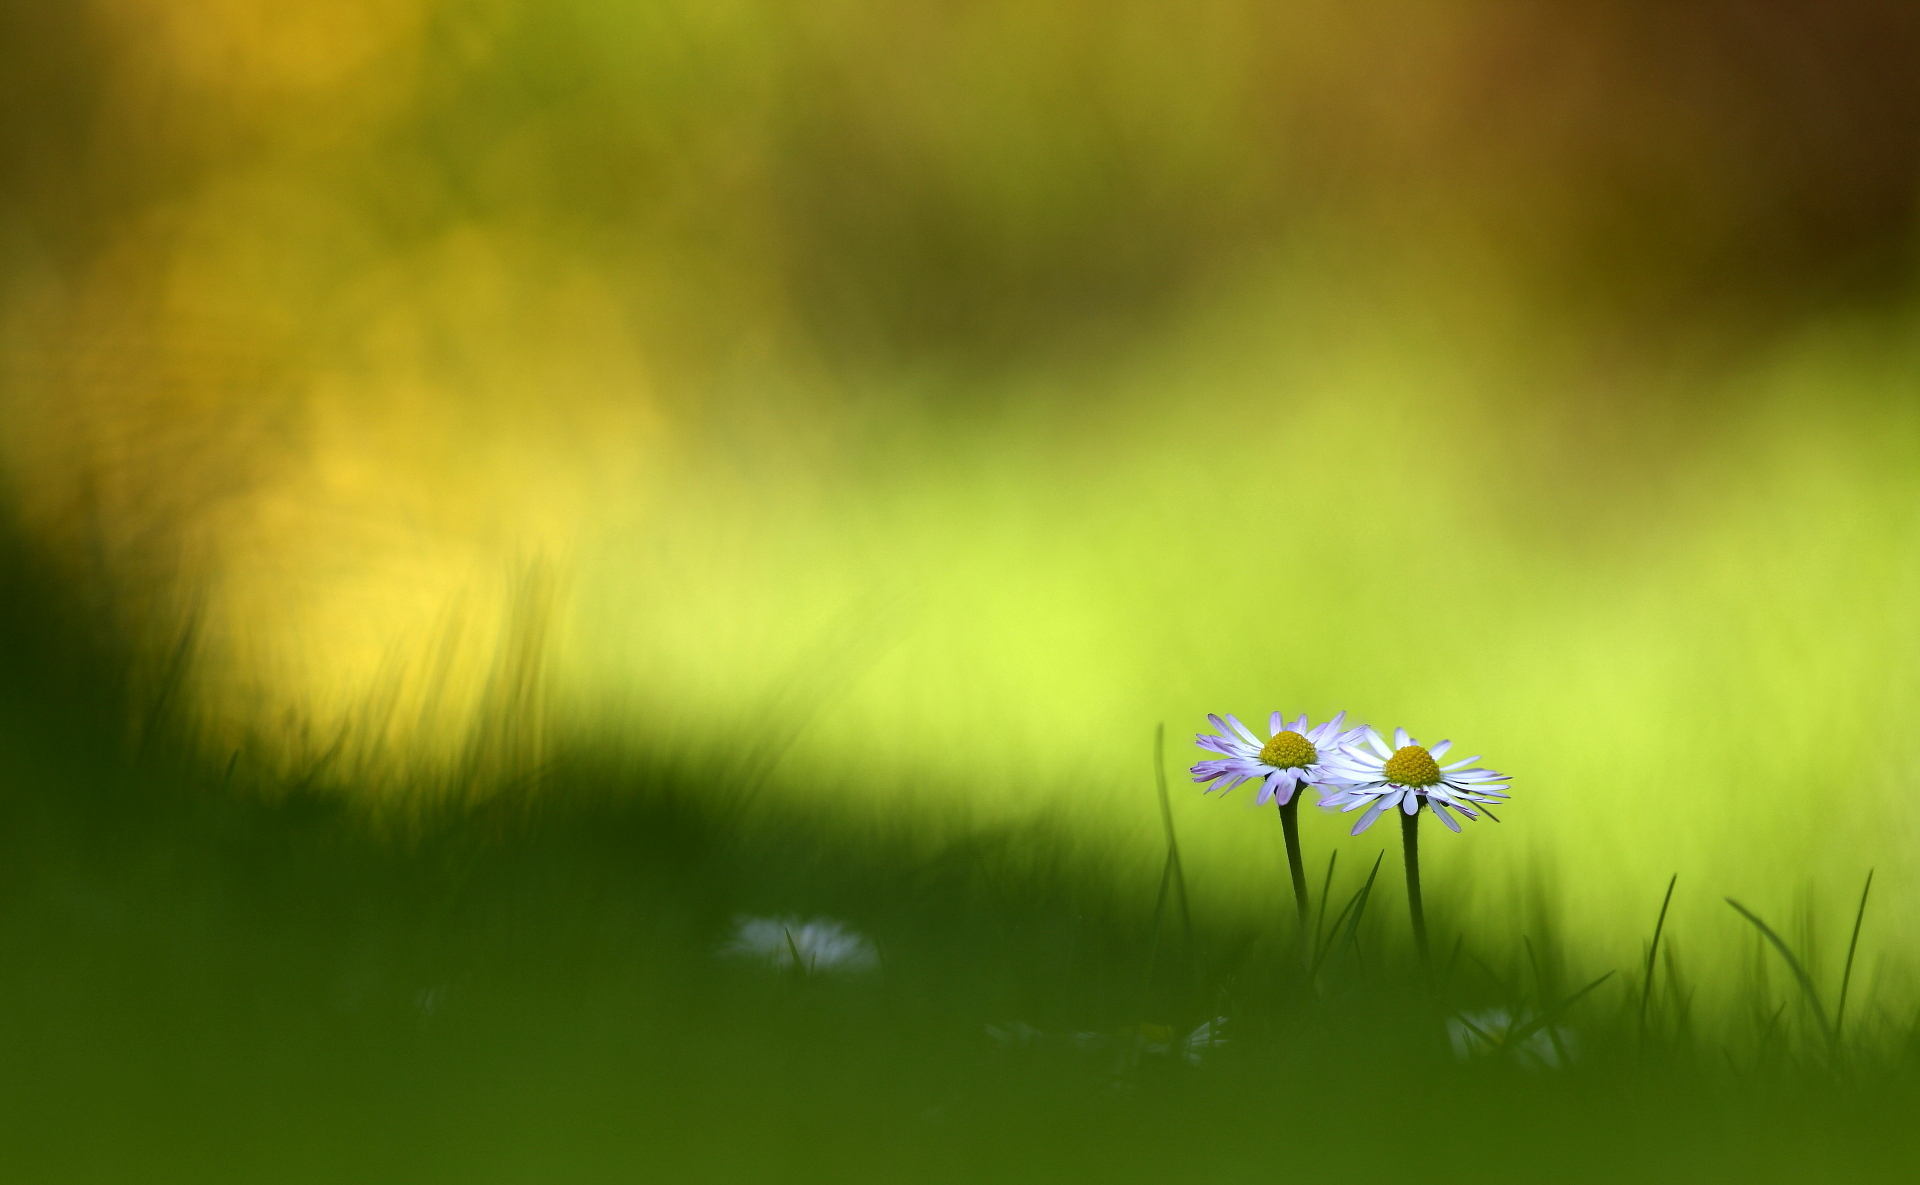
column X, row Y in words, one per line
column 206, row 980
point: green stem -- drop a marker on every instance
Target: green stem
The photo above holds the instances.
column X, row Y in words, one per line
column 1410, row 845
column 1290, row 828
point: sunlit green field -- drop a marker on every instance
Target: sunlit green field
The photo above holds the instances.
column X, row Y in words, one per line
column 494, row 497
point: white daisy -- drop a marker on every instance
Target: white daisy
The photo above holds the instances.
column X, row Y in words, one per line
column 812, row 947
column 1204, row 1039
column 1409, row 775
column 1294, row 755
column 1495, row 1032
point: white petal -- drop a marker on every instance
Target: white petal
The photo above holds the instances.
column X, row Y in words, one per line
column 1378, row 742
column 1464, row 761
column 1274, row 722
column 1411, row 803
column 1400, row 738
column 1367, row 819
column 1445, row 817
column 1440, row 750
column 1243, row 730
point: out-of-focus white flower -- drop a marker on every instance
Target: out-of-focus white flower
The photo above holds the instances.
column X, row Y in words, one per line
column 429, row 1000
column 814, row 946
column 1129, row 1043
column 1162, row 1041
column 1409, row 776
column 1294, row 755
column 1498, row 1033
column 1015, row 1034
column 1204, row 1039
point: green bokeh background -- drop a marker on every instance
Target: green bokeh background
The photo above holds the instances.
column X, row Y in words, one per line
column 935, row 398
column 892, row 414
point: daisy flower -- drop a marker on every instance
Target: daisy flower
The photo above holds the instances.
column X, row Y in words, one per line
column 1495, row 1032
column 1294, row 755
column 1409, row 775
column 811, row 947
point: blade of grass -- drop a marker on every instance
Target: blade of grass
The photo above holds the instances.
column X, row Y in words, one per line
column 1493, row 1044
column 1853, row 944
column 172, row 678
column 1807, row 987
column 1453, row 957
column 1173, row 842
column 1533, row 965
column 1360, row 910
column 1557, row 1010
column 1653, row 952
column 1172, row 876
column 1494, row 977
column 1326, row 887
column 1560, row 1052
column 1346, row 911
column 1768, row 1032
column 1680, row 994
column 1549, row 1015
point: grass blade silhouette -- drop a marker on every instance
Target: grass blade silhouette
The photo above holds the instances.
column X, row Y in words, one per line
column 1326, row 887
column 1549, row 1015
column 1653, row 952
column 1807, row 987
column 1350, row 913
column 1172, row 876
column 1853, row 944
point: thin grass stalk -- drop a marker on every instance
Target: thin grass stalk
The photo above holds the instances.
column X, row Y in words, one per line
column 1350, row 914
column 1807, row 988
column 1173, row 879
column 1653, row 952
column 1326, row 890
column 1853, row 945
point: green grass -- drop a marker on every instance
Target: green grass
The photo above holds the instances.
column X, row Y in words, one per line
column 209, row 980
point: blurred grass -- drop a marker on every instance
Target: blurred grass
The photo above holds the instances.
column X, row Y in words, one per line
column 204, row 985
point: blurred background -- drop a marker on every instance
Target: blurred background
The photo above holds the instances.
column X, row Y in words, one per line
column 896, row 412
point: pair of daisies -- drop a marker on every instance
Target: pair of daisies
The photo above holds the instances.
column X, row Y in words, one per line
column 1350, row 767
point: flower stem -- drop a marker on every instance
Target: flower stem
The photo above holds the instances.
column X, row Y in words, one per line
column 1290, row 828
column 1410, row 845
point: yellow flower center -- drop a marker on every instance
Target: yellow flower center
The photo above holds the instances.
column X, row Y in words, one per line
column 1411, row 765
column 1288, row 750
